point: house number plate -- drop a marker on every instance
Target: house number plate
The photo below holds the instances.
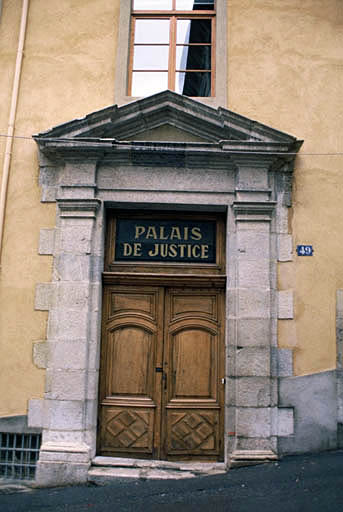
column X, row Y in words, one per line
column 304, row 250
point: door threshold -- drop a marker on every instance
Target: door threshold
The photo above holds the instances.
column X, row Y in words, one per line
column 108, row 468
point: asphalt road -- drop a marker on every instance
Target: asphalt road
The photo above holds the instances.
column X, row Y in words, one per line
column 302, row 483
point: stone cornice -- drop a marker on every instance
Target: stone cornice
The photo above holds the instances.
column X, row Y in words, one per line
column 78, row 207
column 224, row 154
column 253, row 210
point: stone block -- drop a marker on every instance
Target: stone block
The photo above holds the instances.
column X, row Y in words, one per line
column 339, row 342
column 64, row 451
column 95, row 324
column 285, row 305
column 61, row 473
column 230, row 420
column 253, row 362
column 253, row 303
column 253, row 332
column 339, row 396
column 46, row 241
column 48, row 194
column 67, row 324
column 253, row 245
column 253, row 422
column 90, row 437
column 79, row 173
column 261, row 225
column 163, row 198
column 95, row 297
column 257, row 443
column 231, row 303
column 253, row 391
column 43, row 296
column 285, row 421
column 64, row 436
column 339, row 303
column 231, row 360
column 91, row 414
column 340, row 436
column 92, row 385
column 93, row 355
column 285, row 247
column 70, row 267
column 48, row 175
column 282, row 362
column 66, row 385
column 173, row 179
column 76, row 192
column 76, row 239
column 74, row 295
column 230, row 391
column 339, row 328
column 68, row 355
column 65, row 415
column 253, row 273
column 40, row 354
column 249, row 177
column 35, row 412
column 281, row 217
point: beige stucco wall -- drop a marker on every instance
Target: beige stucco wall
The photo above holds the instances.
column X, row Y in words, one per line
column 284, row 71
column 68, row 71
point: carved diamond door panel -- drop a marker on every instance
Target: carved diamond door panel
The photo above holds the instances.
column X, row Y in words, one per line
column 161, row 394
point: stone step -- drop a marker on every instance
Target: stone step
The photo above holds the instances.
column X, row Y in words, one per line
column 108, row 468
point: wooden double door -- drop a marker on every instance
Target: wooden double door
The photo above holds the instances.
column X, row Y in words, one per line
column 162, row 373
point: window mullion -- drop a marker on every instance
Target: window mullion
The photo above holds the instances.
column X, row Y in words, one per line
column 172, row 54
column 213, row 57
column 132, row 39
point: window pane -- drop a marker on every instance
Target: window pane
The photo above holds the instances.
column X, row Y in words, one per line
column 144, row 84
column 193, row 84
column 152, row 31
column 193, row 31
column 192, row 5
column 152, row 5
column 193, row 57
column 151, row 57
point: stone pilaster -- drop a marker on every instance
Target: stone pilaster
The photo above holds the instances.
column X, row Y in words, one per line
column 252, row 309
column 69, row 409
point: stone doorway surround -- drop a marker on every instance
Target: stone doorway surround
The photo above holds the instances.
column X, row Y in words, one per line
column 209, row 160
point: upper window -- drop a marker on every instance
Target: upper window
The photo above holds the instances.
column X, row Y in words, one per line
column 172, row 47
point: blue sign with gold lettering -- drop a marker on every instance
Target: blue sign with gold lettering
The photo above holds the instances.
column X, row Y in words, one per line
column 185, row 241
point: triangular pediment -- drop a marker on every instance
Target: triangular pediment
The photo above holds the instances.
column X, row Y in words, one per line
column 167, row 116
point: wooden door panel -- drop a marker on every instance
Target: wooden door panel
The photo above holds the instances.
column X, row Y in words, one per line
column 193, row 412
column 161, row 365
column 130, row 351
column 193, row 432
column 192, row 352
column 193, row 304
column 127, row 430
column 134, row 303
column 130, row 390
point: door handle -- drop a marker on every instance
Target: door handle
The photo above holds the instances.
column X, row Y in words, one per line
column 164, row 377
